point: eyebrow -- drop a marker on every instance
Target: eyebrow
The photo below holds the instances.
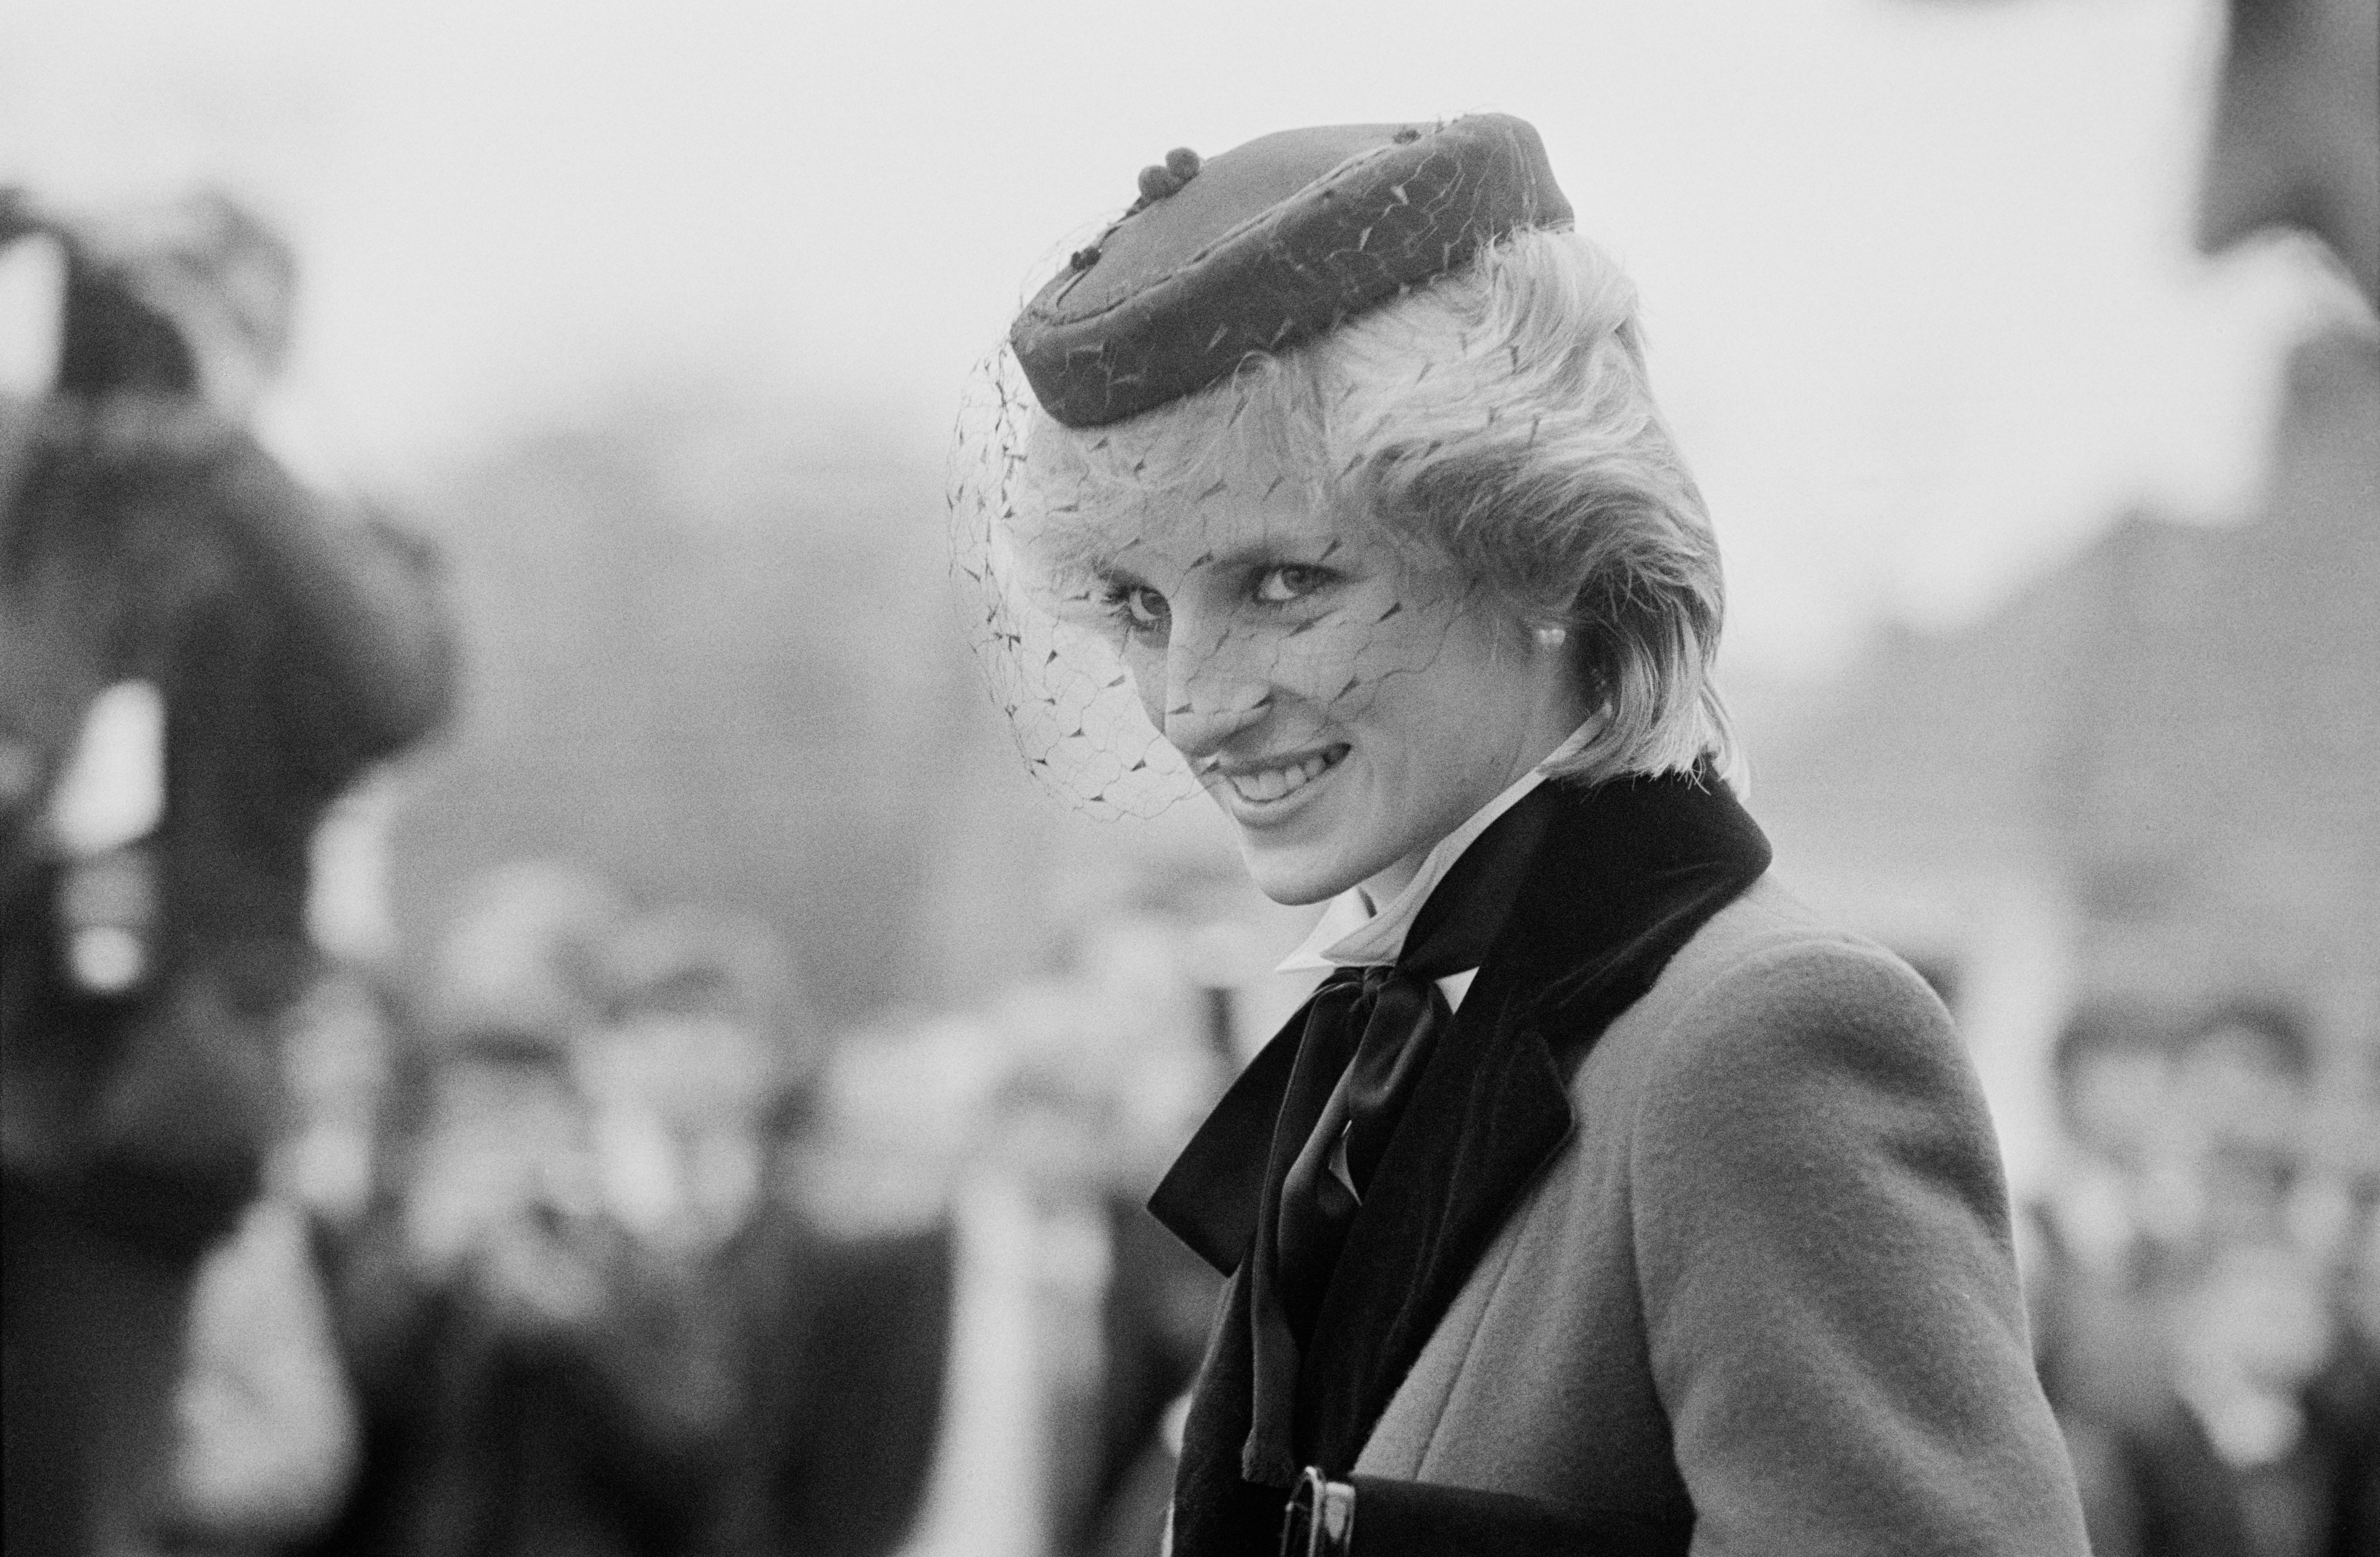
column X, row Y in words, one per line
column 1266, row 552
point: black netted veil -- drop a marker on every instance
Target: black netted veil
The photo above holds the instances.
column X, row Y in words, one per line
column 1048, row 655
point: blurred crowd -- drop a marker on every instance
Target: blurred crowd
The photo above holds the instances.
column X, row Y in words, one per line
column 2204, row 1282
column 581, row 1242
column 521, row 1280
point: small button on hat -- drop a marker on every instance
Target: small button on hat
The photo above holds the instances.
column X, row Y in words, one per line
column 1267, row 244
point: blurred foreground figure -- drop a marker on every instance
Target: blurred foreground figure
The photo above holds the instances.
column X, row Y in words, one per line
column 196, row 657
column 2296, row 139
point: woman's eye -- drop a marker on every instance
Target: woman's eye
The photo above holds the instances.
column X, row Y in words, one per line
column 1143, row 609
column 1279, row 586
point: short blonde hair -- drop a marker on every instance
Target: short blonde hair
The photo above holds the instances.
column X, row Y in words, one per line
column 1499, row 418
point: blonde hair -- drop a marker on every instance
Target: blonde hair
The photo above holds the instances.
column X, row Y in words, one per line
column 1502, row 418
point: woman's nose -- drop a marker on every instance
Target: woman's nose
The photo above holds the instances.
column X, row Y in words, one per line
column 1201, row 732
column 1210, row 698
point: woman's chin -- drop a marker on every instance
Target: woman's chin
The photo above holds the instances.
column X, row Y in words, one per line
column 1293, row 876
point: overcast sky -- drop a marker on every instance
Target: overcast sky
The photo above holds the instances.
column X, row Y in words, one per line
column 1918, row 271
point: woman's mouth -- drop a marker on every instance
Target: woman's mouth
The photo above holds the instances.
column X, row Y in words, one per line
column 1258, row 787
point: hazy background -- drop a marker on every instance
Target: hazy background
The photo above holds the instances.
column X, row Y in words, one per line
column 654, row 317
column 1919, row 276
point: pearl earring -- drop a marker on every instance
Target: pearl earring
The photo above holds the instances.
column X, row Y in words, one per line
column 1551, row 637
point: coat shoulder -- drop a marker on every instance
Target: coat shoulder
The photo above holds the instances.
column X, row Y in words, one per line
column 1767, row 986
column 1770, row 938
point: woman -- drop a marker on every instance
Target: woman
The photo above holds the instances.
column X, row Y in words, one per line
column 1601, row 1199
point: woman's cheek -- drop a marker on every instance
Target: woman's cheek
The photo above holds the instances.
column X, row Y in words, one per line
column 1144, row 664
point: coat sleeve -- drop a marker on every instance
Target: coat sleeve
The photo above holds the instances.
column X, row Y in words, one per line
column 1829, row 1289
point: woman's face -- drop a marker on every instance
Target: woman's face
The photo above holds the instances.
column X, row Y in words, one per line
column 1345, row 705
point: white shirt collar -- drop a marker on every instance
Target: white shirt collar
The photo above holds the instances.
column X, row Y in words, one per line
column 1349, row 934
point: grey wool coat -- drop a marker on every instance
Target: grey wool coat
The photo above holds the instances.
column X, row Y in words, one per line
column 1768, row 1275
column 1692, row 1237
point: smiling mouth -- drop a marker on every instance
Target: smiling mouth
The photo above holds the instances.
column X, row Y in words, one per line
column 1273, row 782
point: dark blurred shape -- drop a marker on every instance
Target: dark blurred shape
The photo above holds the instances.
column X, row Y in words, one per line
column 2296, row 139
column 1160, row 1301
column 844, row 1348
column 196, row 658
column 113, row 340
column 195, row 297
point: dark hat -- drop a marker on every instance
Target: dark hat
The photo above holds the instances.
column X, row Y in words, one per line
column 1266, row 244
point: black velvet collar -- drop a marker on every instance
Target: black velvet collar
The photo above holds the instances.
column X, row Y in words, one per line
column 1622, row 875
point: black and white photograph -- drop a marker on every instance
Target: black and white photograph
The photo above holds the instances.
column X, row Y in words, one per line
column 1228, row 780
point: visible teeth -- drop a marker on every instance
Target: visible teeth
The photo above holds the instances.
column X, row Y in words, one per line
column 1271, row 783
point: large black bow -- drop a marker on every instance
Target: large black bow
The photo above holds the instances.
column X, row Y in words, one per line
column 1370, row 1034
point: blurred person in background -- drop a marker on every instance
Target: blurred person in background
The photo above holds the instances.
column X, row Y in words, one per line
column 838, row 1341
column 530, row 1372
column 2186, row 1330
column 1602, row 1197
column 2249, row 1335
column 705, row 1047
column 2089, row 1246
column 2262, row 1350
column 2243, row 1092
column 2119, row 1214
column 196, row 658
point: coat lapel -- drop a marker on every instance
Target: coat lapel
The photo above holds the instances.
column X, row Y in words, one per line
column 1624, row 874
column 1489, row 1112
column 1627, row 873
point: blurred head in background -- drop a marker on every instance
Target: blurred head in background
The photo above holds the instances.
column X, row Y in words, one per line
column 2242, row 1083
column 2112, row 1070
column 2295, row 136
column 706, row 1046
column 518, row 986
